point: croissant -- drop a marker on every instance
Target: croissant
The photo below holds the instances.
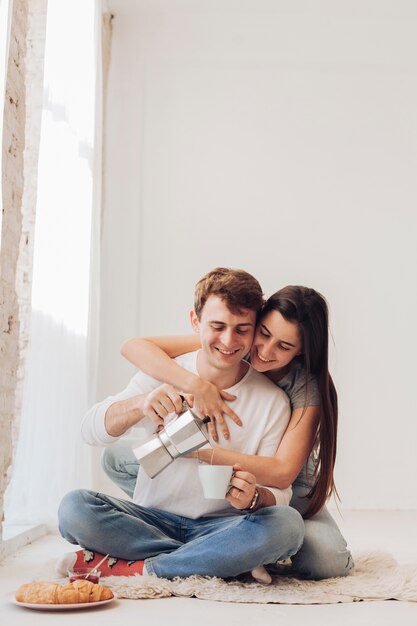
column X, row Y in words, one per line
column 71, row 593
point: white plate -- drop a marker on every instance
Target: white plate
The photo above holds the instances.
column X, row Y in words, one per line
column 59, row 607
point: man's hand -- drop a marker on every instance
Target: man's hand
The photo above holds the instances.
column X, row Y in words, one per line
column 162, row 401
column 242, row 490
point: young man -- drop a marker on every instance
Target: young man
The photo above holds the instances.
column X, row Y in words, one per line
column 169, row 524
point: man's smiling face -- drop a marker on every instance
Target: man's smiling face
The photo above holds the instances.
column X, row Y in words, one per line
column 226, row 336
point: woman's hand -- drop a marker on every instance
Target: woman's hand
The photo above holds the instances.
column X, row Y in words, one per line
column 242, row 490
column 206, row 399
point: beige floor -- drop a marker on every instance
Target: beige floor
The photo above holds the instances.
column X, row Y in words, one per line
column 392, row 532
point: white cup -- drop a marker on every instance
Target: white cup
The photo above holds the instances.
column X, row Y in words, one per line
column 215, row 480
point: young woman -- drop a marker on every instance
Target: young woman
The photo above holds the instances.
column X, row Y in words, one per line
column 291, row 348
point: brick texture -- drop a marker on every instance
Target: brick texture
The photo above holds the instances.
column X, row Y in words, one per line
column 21, row 131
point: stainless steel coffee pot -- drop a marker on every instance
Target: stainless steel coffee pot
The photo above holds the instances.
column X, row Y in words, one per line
column 180, row 436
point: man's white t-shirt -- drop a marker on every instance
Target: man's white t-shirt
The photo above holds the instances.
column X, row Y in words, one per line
column 264, row 410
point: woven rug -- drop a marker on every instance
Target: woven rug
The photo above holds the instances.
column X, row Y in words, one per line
column 376, row 576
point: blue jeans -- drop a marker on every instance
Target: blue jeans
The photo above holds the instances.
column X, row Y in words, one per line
column 172, row 545
column 323, row 554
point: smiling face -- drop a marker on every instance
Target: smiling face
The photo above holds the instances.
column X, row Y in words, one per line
column 226, row 336
column 277, row 341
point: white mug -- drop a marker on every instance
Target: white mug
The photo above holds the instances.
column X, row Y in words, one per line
column 215, row 480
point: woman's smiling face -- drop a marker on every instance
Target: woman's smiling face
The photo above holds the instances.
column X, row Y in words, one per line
column 277, row 341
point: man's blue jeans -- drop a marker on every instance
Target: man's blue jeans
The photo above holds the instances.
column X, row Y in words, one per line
column 177, row 546
column 324, row 553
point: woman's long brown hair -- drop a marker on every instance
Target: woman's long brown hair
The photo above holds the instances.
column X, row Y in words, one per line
column 309, row 309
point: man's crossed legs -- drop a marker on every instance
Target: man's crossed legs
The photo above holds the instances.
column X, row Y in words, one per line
column 172, row 545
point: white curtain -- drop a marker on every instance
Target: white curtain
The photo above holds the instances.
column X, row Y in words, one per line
column 50, row 457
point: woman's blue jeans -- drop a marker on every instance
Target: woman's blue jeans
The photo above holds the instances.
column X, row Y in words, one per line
column 172, row 545
column 323, row 554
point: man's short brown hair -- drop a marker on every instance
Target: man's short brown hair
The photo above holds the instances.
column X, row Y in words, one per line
column 238, row 290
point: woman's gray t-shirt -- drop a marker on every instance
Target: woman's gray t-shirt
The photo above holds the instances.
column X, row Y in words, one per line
column 298, row 388
column 301, row 392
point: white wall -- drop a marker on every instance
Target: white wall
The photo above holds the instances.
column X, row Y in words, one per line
column 279, row 137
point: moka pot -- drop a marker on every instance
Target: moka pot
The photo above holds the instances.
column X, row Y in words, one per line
column 180, row 436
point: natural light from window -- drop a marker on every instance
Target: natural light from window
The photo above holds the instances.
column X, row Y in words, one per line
column 56, row 378
column 65, row 178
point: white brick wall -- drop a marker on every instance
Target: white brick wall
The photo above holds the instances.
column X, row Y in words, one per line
column 22, row 115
